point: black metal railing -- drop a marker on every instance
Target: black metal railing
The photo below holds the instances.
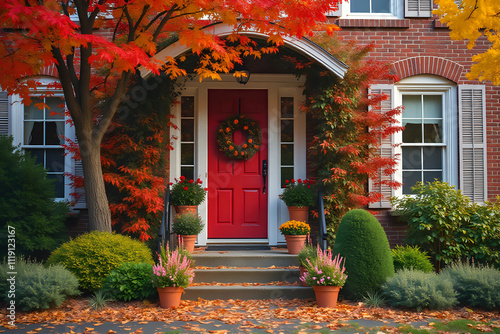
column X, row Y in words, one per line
column 164, row 233
column 322, row 235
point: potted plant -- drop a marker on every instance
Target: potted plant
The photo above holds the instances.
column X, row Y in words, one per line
column 298, row 197
column 171, row 275
column 186, row 195
column 187, row 226
column 306, row 253
column 326, row 275
column 295, row 233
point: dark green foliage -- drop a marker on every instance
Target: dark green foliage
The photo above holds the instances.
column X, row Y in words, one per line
column 299, row 194
column 362, row 241
column 130, row 281
column 38, row 287
column 448, row 226
column 477, row 286
column 308, row 252
column 411, row 257
column 27, row 204
column 188, row 224
column 416, row 289
column 92, row 256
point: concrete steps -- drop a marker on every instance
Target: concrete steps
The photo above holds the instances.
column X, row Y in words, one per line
column 251, row 274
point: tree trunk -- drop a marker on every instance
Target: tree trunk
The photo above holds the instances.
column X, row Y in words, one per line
column 95, row 191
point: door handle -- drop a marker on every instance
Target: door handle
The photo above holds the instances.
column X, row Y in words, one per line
column 264, row 175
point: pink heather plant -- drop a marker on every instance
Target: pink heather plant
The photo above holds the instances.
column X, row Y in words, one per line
column 174, row 269
column 324, row 270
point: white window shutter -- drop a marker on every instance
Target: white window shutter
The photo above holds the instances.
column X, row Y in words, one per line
column 418, row 8
column 472, row 141
column 4, row 114
column 386, row 150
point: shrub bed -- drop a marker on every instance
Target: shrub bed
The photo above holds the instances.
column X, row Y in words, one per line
column 130, row 281
column 38, row 287
column 92, row 256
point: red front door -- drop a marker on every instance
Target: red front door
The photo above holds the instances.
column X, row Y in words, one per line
column 237, row 205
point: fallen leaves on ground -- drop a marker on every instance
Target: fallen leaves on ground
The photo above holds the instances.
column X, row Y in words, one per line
column 269, row 313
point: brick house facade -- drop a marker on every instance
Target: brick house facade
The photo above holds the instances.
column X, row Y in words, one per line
column 453, row 129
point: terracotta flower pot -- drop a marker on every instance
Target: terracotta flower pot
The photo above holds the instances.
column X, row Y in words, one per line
column 298, row 214
column 180, row 209
column 187, row 242
column 295, row 243
column 326, row 296
column 170, row 296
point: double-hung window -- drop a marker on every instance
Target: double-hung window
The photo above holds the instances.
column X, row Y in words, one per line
column 43, row 137
column 428, row 145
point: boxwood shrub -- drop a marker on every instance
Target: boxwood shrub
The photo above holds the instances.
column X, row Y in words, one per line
column 92, row 256
column 362, row 241
column 130, row 281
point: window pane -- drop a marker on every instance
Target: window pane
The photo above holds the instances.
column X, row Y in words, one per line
column 287, row 130
column 188, row 172
column 433, row 158
column 287, row 154
column 412, row 158
column 187, row 130
column 381, row 6
column 38, row 155
column 56, row 108
column 31, row 111
column 55, row 160
column 59, row 184
column 286, row 174
column 287, row 107
column 412, row 106
column 54, row 132
column 432, row 176
column 187, row 154
column 33, row 133
column 187, row 106
column 412, row 132
column 360, row 6
column 432, row 131
column 409, row 180
column 433, row 106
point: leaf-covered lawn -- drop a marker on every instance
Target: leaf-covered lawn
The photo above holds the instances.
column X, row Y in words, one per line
column 267, row 315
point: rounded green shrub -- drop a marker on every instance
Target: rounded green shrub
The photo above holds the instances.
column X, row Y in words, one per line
column 130, row 281
column 38, row 287
column 415, row 289
column 362, row 241
column 411, row 257
column 477, row 286
column 188, row 224
column 92, row 256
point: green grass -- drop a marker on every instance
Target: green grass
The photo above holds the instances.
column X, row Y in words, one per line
column 456, row 326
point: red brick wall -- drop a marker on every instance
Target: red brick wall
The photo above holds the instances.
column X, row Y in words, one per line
column 423, row 46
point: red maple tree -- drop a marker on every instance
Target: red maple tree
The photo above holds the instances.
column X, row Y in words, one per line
column 98, row 45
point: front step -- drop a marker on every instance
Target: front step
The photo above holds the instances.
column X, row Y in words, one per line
column 252, row 274
column 256, row 259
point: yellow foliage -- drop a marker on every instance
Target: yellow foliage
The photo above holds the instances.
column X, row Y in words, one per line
column 470, row 20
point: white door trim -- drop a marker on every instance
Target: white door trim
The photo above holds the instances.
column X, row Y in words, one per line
column 277, row 85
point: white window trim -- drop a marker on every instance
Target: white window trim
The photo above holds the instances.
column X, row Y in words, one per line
column 17, row 130
column 344, row 11
column 432, row 85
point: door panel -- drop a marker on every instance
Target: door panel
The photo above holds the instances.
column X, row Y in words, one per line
column 237, row 206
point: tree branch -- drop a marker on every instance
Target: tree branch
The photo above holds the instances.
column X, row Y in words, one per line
column 66, row 83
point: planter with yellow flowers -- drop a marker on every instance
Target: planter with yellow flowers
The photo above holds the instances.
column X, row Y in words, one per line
column 295, row 233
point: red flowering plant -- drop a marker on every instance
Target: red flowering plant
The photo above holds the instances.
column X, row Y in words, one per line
column 298, row 193
column 187, row 192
